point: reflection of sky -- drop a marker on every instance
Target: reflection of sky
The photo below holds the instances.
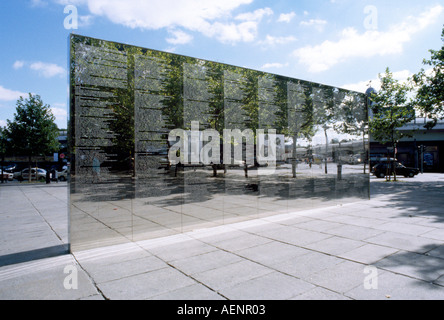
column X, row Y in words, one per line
column 319, row 138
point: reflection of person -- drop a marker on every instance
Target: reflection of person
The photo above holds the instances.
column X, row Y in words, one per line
column 54, row 175
column 48, row 177
column 96, row 169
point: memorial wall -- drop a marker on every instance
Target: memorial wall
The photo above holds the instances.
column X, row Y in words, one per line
column 163, row 144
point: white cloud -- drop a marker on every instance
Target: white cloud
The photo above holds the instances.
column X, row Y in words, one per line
column 245, row 31
column 402, row 76
column 211, row 18
column 3, row 123
column 48, row 70
column 179, row 37
column 286, row 17
column 18, row 64
column 368, row 44
column 256, row 15
column 59, row 110
column 85, row 21
column 318, row 24
column 276, row 65
column 156, row 14
column 10, row 95
column 38, row 3
column 271, row 40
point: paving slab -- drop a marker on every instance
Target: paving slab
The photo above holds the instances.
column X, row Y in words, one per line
column 323, row 253
column 414, row 265
column 45, row 280
column 272, row 286
column 393, row 286
column 145, row 285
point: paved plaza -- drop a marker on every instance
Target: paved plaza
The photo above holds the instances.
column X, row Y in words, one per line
column 390, row 247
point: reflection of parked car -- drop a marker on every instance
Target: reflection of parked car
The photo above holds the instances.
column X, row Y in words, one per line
column 62, row 175
column 351, row 159
column 380, row 169
column 7, row 175
column 36, row 174
column 10, row 168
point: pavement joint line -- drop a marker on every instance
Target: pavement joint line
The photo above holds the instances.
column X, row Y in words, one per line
column 91, row 279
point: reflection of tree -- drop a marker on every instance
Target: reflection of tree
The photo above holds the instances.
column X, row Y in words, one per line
column 355, row 120
column 324, row 114
column 144, row 94
column 300, row 115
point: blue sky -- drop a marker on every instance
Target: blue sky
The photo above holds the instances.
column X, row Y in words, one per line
column 335, row 42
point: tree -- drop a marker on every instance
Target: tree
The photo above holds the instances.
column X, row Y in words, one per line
column 33, row 131
column 391, row 111
column 3, row 141
column 430, row 94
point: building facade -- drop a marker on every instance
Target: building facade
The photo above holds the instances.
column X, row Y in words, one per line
column 423, row 150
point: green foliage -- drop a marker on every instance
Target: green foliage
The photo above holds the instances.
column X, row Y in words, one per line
column 391, row 110
column 430, row 94
column 33, row 131
column 3, row 141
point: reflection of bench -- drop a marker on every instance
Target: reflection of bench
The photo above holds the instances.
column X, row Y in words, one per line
column 215, row 167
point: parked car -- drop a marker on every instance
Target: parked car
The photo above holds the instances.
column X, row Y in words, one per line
column 36, row 174
column 7, row 175
column 375, row 160
column 380, row 169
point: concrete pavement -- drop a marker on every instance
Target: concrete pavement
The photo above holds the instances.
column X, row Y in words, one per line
column 391, row 247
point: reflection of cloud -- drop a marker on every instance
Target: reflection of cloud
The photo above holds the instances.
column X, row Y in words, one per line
column 319, row 137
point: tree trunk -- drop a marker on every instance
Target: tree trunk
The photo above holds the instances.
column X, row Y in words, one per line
column 394, row 162
column 29, row 168
column 326, row 150
column 294, row 160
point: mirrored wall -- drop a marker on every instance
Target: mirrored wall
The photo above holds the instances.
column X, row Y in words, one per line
column 164, row 144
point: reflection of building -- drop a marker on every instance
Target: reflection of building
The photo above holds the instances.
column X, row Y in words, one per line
column 425, row 144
